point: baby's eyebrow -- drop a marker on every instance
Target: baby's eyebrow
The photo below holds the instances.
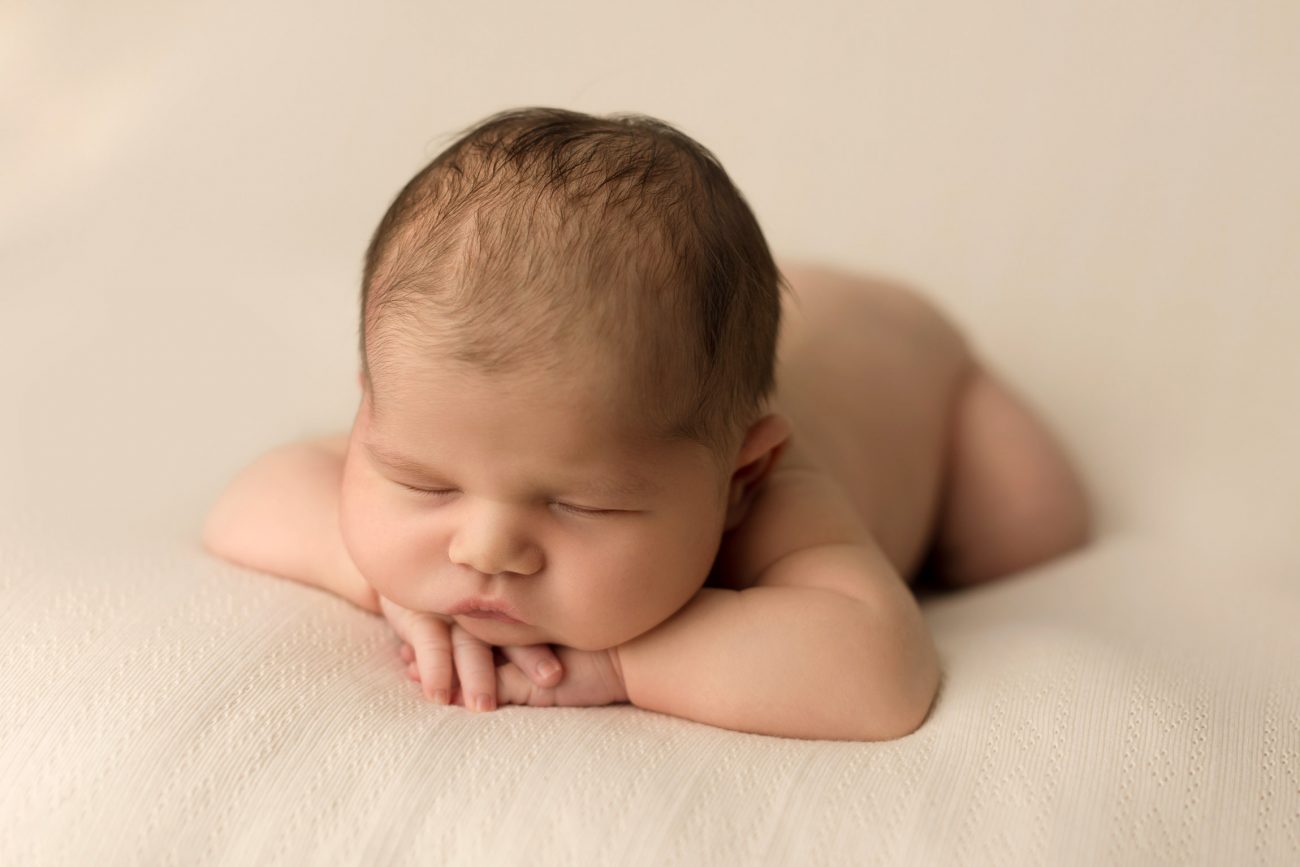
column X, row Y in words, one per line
column 611, row 486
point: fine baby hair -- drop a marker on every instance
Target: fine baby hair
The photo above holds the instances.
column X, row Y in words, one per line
column 539, row 232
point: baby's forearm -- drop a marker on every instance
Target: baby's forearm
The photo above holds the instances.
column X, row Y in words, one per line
column 788, row 661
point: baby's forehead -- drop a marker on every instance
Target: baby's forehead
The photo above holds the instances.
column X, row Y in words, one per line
column 594, row 385
column 604, row 406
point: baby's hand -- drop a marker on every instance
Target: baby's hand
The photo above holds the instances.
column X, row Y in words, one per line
column 591, row 677
column 442, row 657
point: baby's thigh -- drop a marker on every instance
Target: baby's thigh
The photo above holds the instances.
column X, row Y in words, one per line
column 1014, row 497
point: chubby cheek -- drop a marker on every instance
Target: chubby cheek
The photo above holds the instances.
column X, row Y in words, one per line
column 379, row 544
column 634, row 595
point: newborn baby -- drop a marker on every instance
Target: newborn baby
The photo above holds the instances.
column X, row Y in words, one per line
column 600, row 429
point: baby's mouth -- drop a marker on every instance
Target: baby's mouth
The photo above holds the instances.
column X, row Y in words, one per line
column 490, row 615
column 483, row 609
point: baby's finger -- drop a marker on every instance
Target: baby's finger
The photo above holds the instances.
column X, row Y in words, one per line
column 432, row 646
column 537, row 661
column 407, row 653
column 514, row 687
column 477, row 672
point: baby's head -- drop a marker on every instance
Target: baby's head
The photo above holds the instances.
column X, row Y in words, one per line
column 561, row 311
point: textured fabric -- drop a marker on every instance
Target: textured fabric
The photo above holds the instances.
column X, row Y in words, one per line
column 1110, row 709
column 1103, row 197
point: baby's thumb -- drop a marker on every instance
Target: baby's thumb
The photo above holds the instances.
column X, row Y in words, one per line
column 514, row 687
column 538, row 661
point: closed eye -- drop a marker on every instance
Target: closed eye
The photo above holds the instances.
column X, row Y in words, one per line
column 577, row 510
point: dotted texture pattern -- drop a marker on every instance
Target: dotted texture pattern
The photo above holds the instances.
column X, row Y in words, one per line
column 162, row 707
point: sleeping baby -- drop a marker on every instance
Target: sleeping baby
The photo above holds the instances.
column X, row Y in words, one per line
column 607, row 451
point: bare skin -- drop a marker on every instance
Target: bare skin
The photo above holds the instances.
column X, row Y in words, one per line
column 947, row 471
column 867, row 376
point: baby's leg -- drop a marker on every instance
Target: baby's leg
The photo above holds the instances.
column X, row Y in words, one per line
column 1010, row 498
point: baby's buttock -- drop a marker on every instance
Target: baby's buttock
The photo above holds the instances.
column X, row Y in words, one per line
column 868, row 373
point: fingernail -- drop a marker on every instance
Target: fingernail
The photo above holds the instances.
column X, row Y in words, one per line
column 546, row 669
column 484, row 702
column 440, row 696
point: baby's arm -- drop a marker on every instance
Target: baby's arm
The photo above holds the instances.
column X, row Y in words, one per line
column 280, row 516
column 788, row 658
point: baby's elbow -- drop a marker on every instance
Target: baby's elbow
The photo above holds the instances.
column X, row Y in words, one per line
column 897, row 718
column 915, row 708
column 900, row 700
column 217, row 527
column 229, row 534
column 219, row 539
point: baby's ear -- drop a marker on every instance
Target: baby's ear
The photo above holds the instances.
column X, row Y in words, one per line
column 759, row 455
column 764, row 443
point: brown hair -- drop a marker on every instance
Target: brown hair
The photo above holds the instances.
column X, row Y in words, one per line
column 538, row 225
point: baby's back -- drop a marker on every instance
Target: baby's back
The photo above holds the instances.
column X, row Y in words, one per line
column 867, row 372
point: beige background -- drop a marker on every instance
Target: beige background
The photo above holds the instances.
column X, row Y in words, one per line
column 1105, row 194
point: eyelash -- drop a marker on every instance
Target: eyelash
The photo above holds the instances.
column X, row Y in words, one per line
column 565, row 506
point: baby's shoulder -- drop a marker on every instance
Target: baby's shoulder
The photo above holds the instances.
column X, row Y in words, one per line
column 798, row 505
